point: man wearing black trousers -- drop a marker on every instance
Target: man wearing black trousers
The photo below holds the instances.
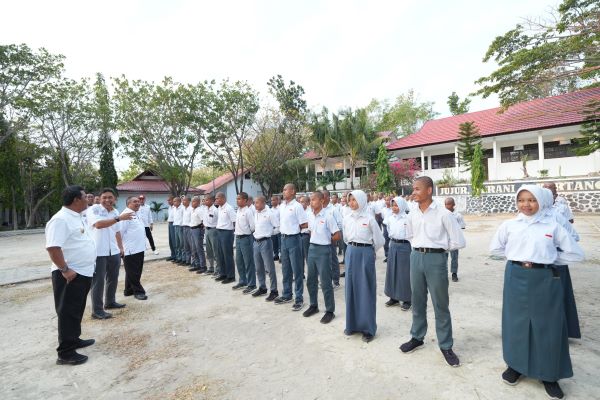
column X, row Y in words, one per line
column 145, row 214
column 73, row 253
column 133, row 236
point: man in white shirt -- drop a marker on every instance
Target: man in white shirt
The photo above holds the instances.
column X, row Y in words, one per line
column 177, row 221
column 210, row 225
column 198, row 258
column 276, row 238
column 337, row 217
column 103, row 220
column 386, row 211
column 244, row 254
column 186, row 221
column 170, row 219
column 264, row 222
column 225, row 227
column 292, row 219
column 432, row 231
column 73, row 253
column 145, row 215
column 450, row 204
column 305, row 233
column 133, row 236
column 561, row 205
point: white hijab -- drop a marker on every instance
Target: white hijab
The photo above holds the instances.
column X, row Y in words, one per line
column 402, row 205
column 543, row 201
column 361, row 199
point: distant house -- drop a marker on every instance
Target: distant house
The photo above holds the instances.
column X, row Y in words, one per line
column 150, row 185
column 226, row 184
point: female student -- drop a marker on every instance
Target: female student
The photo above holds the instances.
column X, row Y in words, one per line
column 363, row 237
column 534, row 327
column 397, row 276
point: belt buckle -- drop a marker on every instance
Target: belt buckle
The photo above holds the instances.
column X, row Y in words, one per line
column 527, row 264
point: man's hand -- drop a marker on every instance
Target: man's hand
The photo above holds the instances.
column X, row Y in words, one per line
column 122, row 251
column 125, row 216
column 69, row 275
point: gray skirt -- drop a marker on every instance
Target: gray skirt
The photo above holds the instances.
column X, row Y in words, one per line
column 361, row 290
column 570, row 305
column 397, row 276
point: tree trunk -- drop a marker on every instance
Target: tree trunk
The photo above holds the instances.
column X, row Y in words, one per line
column 14, row 209
column 31, row 220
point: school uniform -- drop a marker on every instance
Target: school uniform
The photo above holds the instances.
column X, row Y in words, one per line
column 225, row 228
column 186, row 225
column 198, row 258
column 363, row 238
column 177, row 225
column 322, row 226
column 276, row 237
column 432, row 234
column 562, row 207
column 454, row 253
column 305, row 236
column 133, row 236
column 172, row 240
column 209, row 220
column 264, row 223
column 385, row 212
column 291, row 216
column 397, row 276
column 534, row 327
column 335, row 263
column 244, row 247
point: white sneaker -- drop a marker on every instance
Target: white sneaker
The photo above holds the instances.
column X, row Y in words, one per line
column 156, row 252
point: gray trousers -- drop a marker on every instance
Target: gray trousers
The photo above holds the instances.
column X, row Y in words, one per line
column 178, row 242
column 211, row 249
column 263, row 261
column 197, row 243
column 429, row 271
column 454, row 261
column 107, row 269
column 335, row 264
column 187, row 244
column 319, row 266
column 305, row 246
column 244, row 260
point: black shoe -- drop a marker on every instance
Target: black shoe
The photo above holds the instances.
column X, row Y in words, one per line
column 113, row 305
column 553, row 390
column 272, row 296
column 275, row 258
column 249, row 290
column 454, row 277
column 299, row 305
column 310, row 311
column 367, row 337
column 343, row 274
column 169, row 259
column 259, row 292
column 238, row 286
column 104, row 315
column 405, row 306
column 327, row 317
column 126, row 294
column 282, row 300
column 141, row 296
column 385, row 260
column 412, row 345
column 220, row 278
column 201, row 271
column 391, row 303
column 227, row 281
column 193, row 269
column 209, row 272
column 348, row 333
column 84, row 343
column 510, row 376
column 74, row 359
column 451, row 358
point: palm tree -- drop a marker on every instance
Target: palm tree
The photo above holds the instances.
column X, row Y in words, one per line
column 322, row 139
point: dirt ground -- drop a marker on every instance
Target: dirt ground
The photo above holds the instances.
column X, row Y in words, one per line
column 195, row 338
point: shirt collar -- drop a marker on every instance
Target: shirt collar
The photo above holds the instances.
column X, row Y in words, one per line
column 71, row 212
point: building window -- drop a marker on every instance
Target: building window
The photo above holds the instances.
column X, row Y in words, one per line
column 319, row 174
column 347, row 172
column 358, row 172
column 510, row 154
column 557, row 150
column 443, row 161
column 418, row 161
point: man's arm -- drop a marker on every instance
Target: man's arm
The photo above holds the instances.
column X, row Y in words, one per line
column 120, row 243
column 58, row 258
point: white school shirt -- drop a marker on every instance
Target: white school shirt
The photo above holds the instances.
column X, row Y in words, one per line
column 362, row 228
column 275, row 211
column 264, row 223
column 459, row 219
column 562, row 206
column 308, row 211
column 197, row 216
column 171, row 214
column 385, row 212
column 187, row 216
column 133, row 234
column 337, row 217
column 178, row 215
column 145, row 214
column 226, row 217
column 557, row 215
column 211, row 217
column 396, row 225
column 67, row 230
column 105, row 238
column 244, row 221
column 322, row 226
column 436, row 228
column 537, row 242
column 291, row 216
column 345, row 211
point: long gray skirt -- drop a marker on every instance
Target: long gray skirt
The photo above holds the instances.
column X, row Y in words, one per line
column 397, row 276
column 361, row 290
column 570, row 305
column 534, row 326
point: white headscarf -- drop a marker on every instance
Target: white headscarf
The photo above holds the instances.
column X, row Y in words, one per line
column 543, row 201
column 361, row 199
column 402, row 204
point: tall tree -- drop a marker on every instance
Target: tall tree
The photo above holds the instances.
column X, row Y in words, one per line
column 405, row 116
column 477, row 172
column 104, row 123
column 323, row 138
column 541, row 58
column 385, row 180
column 590, row 130
column 10, row 179
column 457, row 106
column 468, row 139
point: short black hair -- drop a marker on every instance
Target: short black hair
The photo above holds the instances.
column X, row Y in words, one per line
column 107, row 190
column 71, row 193
column 319, row 194
column 243, row 195
column 426, row 180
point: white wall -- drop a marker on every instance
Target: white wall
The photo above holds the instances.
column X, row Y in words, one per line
column 250, row 187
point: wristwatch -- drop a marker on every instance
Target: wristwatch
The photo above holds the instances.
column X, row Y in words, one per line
column 65, row 269
column 117, row 219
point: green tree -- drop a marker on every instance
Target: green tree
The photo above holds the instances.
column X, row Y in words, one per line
column 468, row 139
column 103, row 119
column 541, row 58
column 457, row 106
column 385, row 179
column 590, row 130
column 330, row 178
column 10, row 178
column 323, row 137
column 405, row 116
column 477, row 172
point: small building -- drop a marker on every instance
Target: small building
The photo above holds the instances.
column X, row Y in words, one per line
column 226, row 184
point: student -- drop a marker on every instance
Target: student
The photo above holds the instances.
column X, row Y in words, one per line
column 264, row 222
column 210, row 219
column 186, row 225
column 432, row 231
column 197, row 237
column 364, row 238
column 324, row 232
column 305, row 233
column 244, row 245
column 450, row 205
column 397, row 276
column 177, row 221
column 386, row 211
column 225, row 226
column 335, row 263
column 276, row 238
column 534, row 328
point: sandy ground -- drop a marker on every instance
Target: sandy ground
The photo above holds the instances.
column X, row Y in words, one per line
column 197, row 339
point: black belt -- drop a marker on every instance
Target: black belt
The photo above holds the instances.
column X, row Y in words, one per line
column 241, row 236
column 356, row 244
column 399, row 241
column 262, row 239
column 228, row 230
column 316, row 244
column 527, row 264
column 208, row 228
column 428, row 250
column 305, row 234
column 197, row 227
column 295, row 234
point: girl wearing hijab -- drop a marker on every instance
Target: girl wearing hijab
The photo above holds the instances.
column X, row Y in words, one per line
column 397, row 276
column 534, row 327
column 364, row 238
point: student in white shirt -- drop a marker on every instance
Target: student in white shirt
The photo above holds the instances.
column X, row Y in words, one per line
column 337, row 217
column 225, row 227
column 386, row 211
column 432, row 231
column 145, row 215
column 364, row 238
column 133, row 236
column 103, row 221
column 305, row 233
column 324, row 231
column 244, row 252
column 198, row 259
column 534, row 329
column 211, row 217
column 170, row 218
column 560, row 203
column 276, row 238
column 397, row 276
column 186, row 232
column 450, row 205
column 73, row 253
column 264, row 222
column 177, row 221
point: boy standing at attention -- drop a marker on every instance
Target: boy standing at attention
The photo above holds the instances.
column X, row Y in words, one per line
column 450, row 204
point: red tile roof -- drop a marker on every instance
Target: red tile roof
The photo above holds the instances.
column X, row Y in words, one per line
column 147, row 182
column 218, row 182
column 537, row 114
